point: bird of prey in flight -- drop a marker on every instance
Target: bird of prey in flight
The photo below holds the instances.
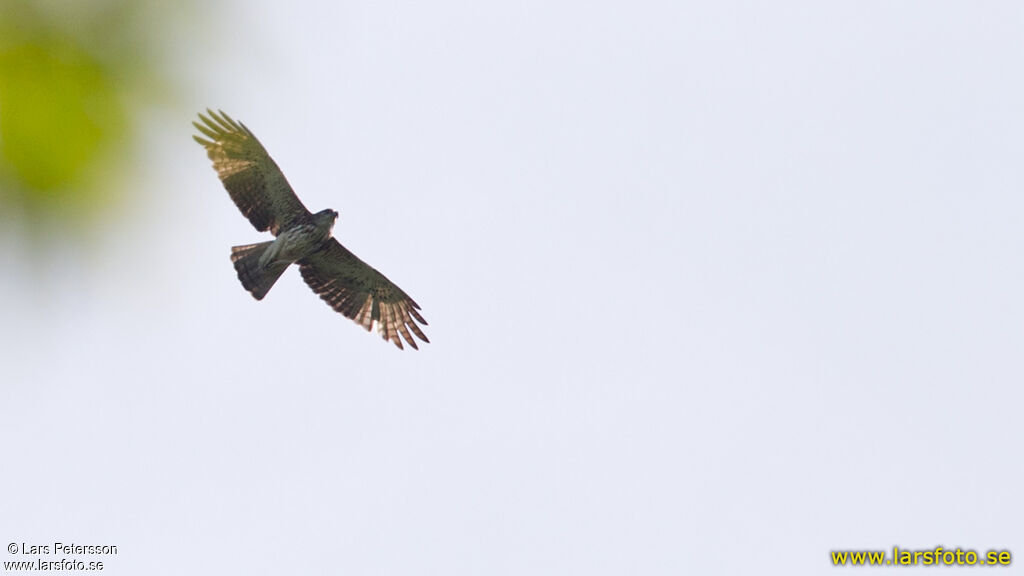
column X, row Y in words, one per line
column 259, row 189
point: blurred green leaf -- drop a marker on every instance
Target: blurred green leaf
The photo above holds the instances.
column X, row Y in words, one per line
column 73, row 77
column 60, row 108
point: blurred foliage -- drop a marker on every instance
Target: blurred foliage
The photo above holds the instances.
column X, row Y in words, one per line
column 74, row 75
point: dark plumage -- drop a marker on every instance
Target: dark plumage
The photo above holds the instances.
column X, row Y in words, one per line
column 259, row 189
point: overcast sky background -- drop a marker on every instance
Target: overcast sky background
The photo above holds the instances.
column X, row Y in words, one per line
column 712, row 288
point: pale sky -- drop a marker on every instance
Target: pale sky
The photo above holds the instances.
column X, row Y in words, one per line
column 713, row 287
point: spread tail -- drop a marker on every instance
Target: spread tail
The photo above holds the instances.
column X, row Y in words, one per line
column 255, row 278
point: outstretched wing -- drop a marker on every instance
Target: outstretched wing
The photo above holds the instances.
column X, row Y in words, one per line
column 250, row 176
column 353, row 288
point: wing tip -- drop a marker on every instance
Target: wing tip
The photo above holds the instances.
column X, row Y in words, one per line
column 219, row 122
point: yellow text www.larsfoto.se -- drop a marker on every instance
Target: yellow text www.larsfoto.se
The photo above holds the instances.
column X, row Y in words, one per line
column 938, row 556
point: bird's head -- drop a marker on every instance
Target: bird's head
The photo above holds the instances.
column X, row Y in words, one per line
column 325, row 218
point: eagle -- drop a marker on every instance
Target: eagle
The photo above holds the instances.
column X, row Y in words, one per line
column 259, row 189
